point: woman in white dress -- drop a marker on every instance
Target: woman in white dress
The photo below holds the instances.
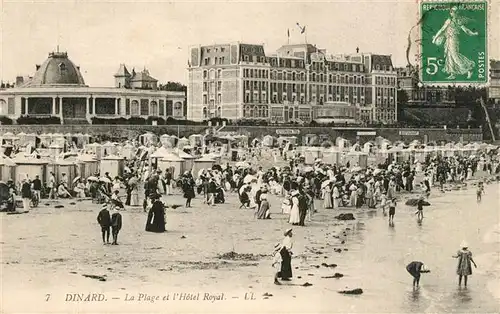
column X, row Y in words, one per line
column 327, row 197
column 353, row 196
column 294, row 212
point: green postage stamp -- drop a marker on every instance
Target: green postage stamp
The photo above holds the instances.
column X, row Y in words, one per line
column 454, row 42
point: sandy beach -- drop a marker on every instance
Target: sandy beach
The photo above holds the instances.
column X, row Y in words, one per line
column 47, row 253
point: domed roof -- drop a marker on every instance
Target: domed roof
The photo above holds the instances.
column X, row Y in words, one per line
column 57, row 70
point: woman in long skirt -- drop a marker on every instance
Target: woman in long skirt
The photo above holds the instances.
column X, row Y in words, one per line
column 134, row 195
column 285, row 272
column 336, row 196
column 327, row 197
column 353, row 196
column 464, row 267
column 294, row 212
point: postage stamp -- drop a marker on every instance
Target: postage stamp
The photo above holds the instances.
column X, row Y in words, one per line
column 454, row 42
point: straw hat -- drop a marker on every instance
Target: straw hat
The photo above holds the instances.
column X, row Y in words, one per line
column 263, row 197
column 464, row 244
column 104, row 206
column 287, row 232
column 424, row 268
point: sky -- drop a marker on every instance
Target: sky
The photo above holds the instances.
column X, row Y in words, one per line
column 98, row 36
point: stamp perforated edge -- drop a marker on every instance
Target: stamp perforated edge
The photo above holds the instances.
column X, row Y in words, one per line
column 488, row 42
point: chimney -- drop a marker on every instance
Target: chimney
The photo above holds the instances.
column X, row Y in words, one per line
column 37, row 67
column 19, row 80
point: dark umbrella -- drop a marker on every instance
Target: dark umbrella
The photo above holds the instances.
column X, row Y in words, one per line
column 414, row 202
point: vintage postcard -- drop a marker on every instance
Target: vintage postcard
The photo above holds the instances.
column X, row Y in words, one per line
column 249, row 156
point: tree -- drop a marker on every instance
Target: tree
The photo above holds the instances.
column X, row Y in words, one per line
column 174, row 87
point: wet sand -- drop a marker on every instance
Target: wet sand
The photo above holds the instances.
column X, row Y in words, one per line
column 46, row 252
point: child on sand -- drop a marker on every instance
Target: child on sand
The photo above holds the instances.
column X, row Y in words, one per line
column 392, row 210
column 416, row 268
column 383, row 203
column 116, row 225
column 480, row 191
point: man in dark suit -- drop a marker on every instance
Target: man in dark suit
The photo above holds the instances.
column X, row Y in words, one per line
column 104, row 220
column 116, row 225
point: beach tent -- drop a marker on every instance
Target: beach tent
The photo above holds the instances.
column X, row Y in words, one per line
column 331, row 156
column 7, row 169
column 108, row 148
column 56, row 149
column 311, row 154
column 196, row 140
column 113, row 164
column 127, row 151
column 204, row 162
column 172, row 162
column 356, row 158
column 188, row 159
column 268, row 141
column 88, row 165
column 94, row 148
column 182, row 142
column 29, row 167
column 342, row 143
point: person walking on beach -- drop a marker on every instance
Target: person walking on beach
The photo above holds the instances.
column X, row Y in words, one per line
column 26, row 194
column 285, row 251
column 480, row 191
column 392, row 210
column 420, row 208
column 104, row 220
column 464, row 267
column 116, row 225
column 416, row 268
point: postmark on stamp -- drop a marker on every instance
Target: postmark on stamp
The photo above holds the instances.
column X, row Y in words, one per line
column 454, row 42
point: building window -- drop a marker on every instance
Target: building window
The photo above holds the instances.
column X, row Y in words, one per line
column 144, row 107
column 178, row 109
column 219, row 73
column 134, row 108
column 162, row 107
column 153, row 109
column 205, row 113
column 245, row 58
column 205, row 74
column 169, row 108
column 127, row 107
column 219, row 86
column 62, row 66
column 205, row 86
column 212, row 74
column 205, row 101
column 219, row 98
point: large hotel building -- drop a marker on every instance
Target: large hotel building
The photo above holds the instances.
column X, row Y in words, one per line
column 300, row 83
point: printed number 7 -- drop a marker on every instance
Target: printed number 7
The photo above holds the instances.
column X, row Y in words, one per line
column 432, row 66
column 47, row 297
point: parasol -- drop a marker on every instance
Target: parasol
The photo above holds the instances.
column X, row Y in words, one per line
column 249, row 178
column 308, row 169
column 325, row 183
column 414, row 202
column 105, row 180
column 76, row 179
column 356, row 169
column 92, row 178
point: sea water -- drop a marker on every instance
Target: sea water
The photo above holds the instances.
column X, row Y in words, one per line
column 379, row 254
